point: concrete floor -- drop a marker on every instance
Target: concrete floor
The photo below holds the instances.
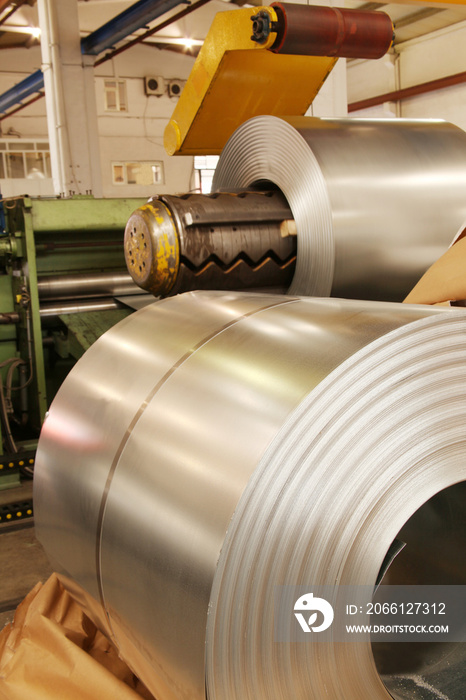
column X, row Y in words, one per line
column 22, row 559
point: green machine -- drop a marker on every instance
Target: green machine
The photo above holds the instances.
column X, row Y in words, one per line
column 63, row 282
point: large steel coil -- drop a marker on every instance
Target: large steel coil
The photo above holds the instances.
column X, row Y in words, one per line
column 215, row 446
column 375, row 202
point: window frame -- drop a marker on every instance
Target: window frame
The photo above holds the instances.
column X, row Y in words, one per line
column 27, row 148
column 118, row 90
column 157, row 167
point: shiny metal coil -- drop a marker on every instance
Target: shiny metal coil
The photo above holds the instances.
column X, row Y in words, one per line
column 213, row 446
column 376, row 202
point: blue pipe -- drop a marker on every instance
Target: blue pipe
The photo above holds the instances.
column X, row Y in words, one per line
column 135, row 17
column 33, row 83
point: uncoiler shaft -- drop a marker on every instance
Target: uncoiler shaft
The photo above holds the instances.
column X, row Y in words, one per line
column 243, row 240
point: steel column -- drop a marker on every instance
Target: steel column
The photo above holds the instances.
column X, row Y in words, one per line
column 71, row 108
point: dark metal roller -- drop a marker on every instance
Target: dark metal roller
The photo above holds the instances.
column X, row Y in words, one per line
column 309, row 30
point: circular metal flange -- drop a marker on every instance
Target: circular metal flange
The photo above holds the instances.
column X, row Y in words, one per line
column 151, row 248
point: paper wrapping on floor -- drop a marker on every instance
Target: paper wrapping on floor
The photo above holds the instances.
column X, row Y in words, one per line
column 52, row 651
column 445, row 280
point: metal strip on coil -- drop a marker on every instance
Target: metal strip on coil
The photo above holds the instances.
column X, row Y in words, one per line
column 215, row 445
column 375, row 202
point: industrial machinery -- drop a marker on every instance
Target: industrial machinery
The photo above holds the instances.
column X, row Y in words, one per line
column 217, row 456
column 216, row 450
column 351, row 208
column 63, row 272
column 279, row 221
column 268, row 60
column 272, row 230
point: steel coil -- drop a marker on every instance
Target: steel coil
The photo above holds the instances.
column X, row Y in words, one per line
column 376, row 202
column 214, row 446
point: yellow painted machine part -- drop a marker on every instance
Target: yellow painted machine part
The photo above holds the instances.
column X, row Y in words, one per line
column 235, row 79
column 151, row 246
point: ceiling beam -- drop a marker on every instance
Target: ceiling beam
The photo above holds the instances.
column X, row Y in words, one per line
column 110, row 33
column 124, row 24
column 418, row 16
column 19, row 92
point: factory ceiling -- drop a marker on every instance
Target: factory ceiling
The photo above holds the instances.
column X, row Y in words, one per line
column 19, row 21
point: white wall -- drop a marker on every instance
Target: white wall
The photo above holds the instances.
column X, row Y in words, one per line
column 434, row 56
column 332, row 100
column 134, row 135
column 138, row 133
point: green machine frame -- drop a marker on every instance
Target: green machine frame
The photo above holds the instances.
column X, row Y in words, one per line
column 38, row 345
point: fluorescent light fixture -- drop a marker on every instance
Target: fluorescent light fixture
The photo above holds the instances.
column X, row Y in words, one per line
column 22, row 29
column 177, row 41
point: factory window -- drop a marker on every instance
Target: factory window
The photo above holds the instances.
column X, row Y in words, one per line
column 24, row 159
column 204, row 168
column 15, row 165
column 115, row 95
column 138, row 173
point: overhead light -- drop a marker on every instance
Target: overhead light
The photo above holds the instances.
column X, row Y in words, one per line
column 177, row 41
column 22, row 29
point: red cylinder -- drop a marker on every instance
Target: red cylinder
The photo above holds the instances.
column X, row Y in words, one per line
column 311, row 30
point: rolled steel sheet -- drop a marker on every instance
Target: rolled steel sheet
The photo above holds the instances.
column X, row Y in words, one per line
column 213, row 446
column 375, row 202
